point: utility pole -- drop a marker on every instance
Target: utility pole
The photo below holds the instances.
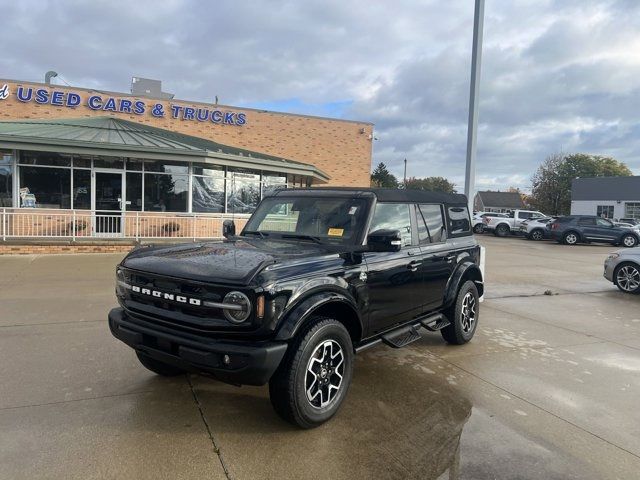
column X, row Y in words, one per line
column 405, row 173
column 476, row 61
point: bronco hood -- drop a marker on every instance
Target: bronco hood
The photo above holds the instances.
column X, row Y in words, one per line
column 234, row 262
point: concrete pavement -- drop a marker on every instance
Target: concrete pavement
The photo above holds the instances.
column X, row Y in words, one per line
column 548, row 388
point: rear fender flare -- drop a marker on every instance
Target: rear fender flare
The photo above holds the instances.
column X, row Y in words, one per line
column 465, row 270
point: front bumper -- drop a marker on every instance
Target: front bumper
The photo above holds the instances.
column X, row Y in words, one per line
column 609, row 267
column 250, row 363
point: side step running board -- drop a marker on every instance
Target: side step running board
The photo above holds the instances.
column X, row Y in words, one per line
column 409, row 334
column 435, row 322
column 402, row 337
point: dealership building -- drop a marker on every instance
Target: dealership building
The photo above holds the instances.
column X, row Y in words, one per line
column 609, row 197
column 77, row 163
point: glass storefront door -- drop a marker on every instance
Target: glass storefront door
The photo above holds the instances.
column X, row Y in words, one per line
column 108, row 203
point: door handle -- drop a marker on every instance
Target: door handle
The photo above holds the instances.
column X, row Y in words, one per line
column 413, row 266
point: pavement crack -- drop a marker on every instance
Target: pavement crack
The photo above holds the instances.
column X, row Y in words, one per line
column 216, row 449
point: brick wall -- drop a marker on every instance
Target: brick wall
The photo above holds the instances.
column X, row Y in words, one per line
column 342, row 149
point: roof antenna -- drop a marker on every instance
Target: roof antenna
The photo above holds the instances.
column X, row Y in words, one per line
column 49, row 75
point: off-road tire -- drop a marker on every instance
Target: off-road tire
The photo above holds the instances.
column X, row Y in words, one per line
column 455, row 333
column 158, row 367
column 570, row 238
column 502, row 230
column 287, row 387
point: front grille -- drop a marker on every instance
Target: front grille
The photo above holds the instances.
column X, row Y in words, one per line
column 188, row 313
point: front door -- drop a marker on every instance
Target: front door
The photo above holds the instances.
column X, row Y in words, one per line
column 395, row 287
column 108, row 204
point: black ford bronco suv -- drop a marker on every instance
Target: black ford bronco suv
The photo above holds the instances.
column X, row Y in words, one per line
column 315, row 276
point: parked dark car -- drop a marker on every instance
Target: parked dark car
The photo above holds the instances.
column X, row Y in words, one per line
column 315, row 276
column 574, row 229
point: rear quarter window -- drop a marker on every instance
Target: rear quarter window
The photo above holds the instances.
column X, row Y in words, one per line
column 458, row 221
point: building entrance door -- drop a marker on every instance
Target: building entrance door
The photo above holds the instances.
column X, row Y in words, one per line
column 108, row 204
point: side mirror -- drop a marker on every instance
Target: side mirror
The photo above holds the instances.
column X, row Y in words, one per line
column 384, row 240
column 228, row 228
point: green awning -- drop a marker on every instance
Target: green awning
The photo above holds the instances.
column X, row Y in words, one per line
column 109, row 136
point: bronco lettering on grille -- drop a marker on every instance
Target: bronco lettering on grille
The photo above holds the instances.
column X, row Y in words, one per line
column 166, row 296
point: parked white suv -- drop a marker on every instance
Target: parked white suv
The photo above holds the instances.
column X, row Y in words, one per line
column 478, row 219
column 505, row 226
column 536, row 229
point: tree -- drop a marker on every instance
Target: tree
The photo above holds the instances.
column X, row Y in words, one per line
column 382, row 177
column 435, row 184
column 551, row 184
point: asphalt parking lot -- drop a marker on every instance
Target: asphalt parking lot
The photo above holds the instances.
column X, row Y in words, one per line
column 548, row 388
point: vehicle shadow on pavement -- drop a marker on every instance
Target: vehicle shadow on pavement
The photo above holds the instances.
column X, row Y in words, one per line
column 399, row 420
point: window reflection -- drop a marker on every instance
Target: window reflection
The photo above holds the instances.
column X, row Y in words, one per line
column 244, row 192
column 165, row 193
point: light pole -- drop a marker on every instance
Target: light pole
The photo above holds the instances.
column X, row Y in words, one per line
column 476, row 61
column 405, row 173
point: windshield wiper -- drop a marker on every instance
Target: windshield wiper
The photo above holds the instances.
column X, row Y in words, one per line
column 303, row 237
column 255, row 232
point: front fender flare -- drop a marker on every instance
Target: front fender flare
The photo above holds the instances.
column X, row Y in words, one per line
column 294, row 319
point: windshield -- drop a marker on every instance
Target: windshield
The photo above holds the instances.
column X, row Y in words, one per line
column 320, row 219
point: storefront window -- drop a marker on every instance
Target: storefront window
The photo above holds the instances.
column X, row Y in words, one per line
column 272, row 182
column 165, row 193
column 51, row 187
column 166, row 167
column 45, row 158
column 6, row 179
column 208, row 194
column 134, row 164
column 632, row 210
column 244, row 192
column 108, row 162
column 81, row 161
column 134, row 191
column 81, row 189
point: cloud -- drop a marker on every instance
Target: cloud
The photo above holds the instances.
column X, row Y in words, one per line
column 556, row 74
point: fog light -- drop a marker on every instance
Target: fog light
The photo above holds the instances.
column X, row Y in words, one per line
column 240, row 314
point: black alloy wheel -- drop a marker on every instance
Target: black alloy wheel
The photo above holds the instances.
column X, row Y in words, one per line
column 313, row 378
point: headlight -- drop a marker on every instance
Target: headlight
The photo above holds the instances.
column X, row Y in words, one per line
column 613, row 256
column 238, row 315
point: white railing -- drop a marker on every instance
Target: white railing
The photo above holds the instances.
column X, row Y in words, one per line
column 85, row 224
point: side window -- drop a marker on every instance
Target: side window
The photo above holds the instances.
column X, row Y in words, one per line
column 586, row 222
column 524, row 215
column 433, row 229
column 393, row 216
column 603, row 223
column 459, row 224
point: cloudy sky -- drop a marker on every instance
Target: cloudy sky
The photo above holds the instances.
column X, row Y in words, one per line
column 557, row 75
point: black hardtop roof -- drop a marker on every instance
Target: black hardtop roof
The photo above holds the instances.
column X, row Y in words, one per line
column 382, row 194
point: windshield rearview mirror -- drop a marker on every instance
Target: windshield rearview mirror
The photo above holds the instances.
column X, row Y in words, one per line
column 384, row 240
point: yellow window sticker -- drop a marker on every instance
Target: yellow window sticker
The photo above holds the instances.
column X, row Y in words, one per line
column 335, row 232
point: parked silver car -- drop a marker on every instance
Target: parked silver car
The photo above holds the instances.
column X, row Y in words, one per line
column 623, row 269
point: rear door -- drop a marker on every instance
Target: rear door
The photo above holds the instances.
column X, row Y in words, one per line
column 607, row 230
column 589, row 228
column 437, row 259
column 394, row 279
